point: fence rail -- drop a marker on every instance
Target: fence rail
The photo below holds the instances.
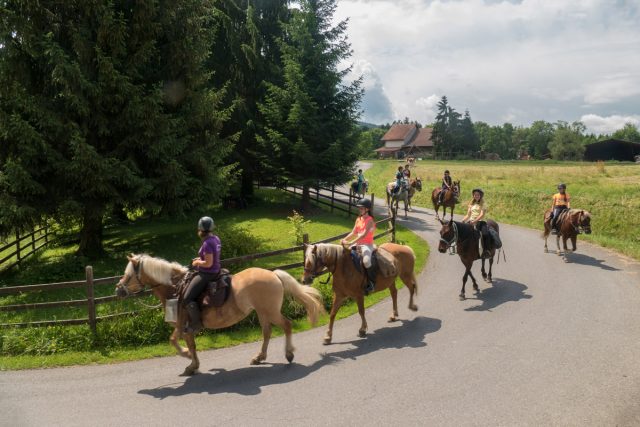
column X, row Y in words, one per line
column 21, row 251
column 89, row 282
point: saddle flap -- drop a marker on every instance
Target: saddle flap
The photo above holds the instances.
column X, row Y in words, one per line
column 386, row 263
column 217, row 291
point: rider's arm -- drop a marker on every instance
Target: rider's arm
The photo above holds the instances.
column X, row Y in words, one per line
column 345, row 241
column 568, row 202
column 206, row 263
column 466, row 217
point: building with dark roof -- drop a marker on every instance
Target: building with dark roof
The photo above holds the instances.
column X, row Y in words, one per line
column 406, row 139
column 612, row 149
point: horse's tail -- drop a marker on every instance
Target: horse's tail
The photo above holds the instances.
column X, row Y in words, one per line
column 306, row 295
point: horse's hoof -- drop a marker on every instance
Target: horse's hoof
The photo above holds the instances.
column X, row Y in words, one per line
column 462, row 297
column 546, row 251
column 188, row 372
column 413, row 307
column 289, row 356
column 362, row 333
column 256, row 360
column 326, row 340
column 393, row 319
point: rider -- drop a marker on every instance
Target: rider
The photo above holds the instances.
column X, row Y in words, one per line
column 362, row 235
column 406, row 172
column 208, row 265
column 561, row 201
column 360, row 181
column 399, row 179
column 476, row 211
column 447, row 184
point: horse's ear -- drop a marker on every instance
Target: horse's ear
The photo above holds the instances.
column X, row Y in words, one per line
column 450, row 221
column 315, row 249
column 133, row 259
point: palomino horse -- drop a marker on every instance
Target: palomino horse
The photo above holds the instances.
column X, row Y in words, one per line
column 348, row 281
column 394, row 198
column 570, row 223
column 449, row 199
column 465, row 239
column 251, row 289
column 359, row 192
column 414, row 184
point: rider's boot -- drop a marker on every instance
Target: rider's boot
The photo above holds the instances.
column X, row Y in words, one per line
column 195, row 323
column 370, row 282
column 554, row 230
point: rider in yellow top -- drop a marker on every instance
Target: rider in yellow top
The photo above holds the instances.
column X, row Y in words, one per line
column 362, row 235
column 561, row 201
column 476, row 211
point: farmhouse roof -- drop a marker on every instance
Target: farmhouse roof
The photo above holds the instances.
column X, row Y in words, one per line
column 398, row 132
column 423, row 138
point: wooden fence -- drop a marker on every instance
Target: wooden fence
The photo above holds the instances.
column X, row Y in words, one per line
column 89, row 284
column 23, row 246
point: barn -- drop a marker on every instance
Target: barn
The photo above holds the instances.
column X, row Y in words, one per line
column 612, row 149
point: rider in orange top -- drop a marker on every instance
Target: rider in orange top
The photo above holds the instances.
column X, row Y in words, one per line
column 362, row 235
column 561, row 201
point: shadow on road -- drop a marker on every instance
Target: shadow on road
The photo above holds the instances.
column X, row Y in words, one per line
column 250, row 380
column 502, row 291
column 589, row 260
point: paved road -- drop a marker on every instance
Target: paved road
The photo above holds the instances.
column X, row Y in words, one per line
column 547, row 343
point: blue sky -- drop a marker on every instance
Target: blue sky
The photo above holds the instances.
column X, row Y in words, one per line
column 504, row 61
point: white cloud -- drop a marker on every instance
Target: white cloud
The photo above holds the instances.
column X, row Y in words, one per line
column 607, row 125
column 528, row 60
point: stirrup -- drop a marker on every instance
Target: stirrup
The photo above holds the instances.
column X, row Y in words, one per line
column 369, row 287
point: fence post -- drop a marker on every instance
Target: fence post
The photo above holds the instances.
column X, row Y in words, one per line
column 373, row 205
column 305, row 241
column 393, row 225
column 91, row 303
column 18, row 256
column 333, row 192
column 349, row 205
column 318, row 192
column 33, row 241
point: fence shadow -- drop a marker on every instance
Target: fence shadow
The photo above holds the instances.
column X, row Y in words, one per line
column 250, row 380
column 501, row 292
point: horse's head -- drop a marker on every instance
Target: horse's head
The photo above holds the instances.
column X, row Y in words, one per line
column 130, row 282
column 456, row 187
column 448, row 235
column 314, row 263
column 418, row 184
column 584, row 221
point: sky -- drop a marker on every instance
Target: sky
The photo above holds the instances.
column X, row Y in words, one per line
column 511, row 61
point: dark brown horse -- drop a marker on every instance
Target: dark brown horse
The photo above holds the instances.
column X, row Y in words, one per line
column 571, row 222
column 251, row 289
column 449, row 199
column 465, row 239
column 348, row 281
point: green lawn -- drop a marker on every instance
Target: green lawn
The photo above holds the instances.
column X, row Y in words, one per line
column 518, row 192
column 264, row 227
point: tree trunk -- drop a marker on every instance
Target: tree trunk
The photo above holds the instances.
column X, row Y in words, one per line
column 247, row 184
column 306, row 199
column 91, row 232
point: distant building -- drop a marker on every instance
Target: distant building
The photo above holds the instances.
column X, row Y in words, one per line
column 612, row 149
column 403, row 140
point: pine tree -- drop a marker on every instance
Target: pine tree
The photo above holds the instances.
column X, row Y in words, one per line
column 105, row 103
column 311, row 135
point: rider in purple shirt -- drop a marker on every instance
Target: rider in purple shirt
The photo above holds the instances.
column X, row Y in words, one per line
column 208, row 265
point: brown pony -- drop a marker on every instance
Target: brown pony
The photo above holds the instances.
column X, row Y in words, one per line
column 449, row 199
column 251, row 289
column 348, row 281
column 571, row 222
column 465, row 239
column 414, row 184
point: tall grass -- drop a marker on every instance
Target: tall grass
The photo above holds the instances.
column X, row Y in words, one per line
column 519, row 192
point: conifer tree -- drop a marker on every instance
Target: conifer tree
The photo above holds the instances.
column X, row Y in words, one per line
column 310, row 134
column 103, row 103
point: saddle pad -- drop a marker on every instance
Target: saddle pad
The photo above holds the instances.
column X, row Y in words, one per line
column 217, row 292
column 386, row 263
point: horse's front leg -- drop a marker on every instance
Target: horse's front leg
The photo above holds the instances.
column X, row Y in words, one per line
column 464, row 283
column 174, row 340
column 362, row 332
column 490, row 268
column 335, row 306
column 484, row 273
column 558, row 245
column 566, row 250
column 406, row 209
column 574, row 241
column 195, row 362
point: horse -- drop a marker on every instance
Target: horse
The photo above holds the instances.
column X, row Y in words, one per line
column 251, row 289
column 414, row 184
column 394, row 198
column 449, row 199
column 348, row 281
column 465, row 239
column 359, row 191
column 571, row 222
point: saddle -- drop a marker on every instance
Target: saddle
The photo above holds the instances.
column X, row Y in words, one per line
column 215, row 294
column 382, row 262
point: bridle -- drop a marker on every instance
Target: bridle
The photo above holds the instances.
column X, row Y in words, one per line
column 317, row 259
column 451, row 244
column 137, row 269
column 579, row 227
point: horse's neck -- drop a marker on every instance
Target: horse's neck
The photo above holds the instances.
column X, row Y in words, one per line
column 464, row 230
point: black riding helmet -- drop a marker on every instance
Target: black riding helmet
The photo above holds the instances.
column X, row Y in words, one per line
column 479, row 190
column 366, row 203
column 205, row 224
column 562, row 185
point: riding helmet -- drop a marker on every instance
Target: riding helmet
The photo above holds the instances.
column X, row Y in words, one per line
column 366, row 203
column 205, row 224
column 562, row 185
column 479, row 190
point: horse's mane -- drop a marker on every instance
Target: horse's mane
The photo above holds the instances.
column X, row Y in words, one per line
column 158, row 269
column 328, row 250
